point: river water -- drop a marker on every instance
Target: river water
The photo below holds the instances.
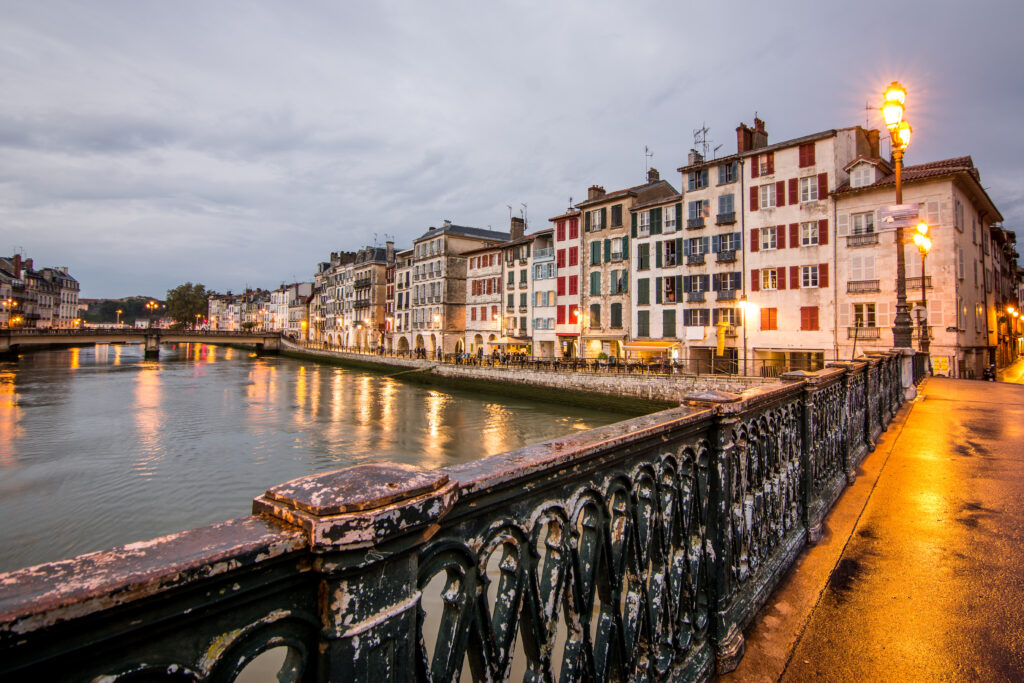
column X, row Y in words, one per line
column 99, row 447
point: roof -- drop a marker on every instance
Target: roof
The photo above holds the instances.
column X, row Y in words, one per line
column 962, row 166
column 511, row 243
column 569, row 213
column 830, row 133
column 467, row 231
column 874, row 161
column 618, row 194
column 707, row 163
column 672, row 199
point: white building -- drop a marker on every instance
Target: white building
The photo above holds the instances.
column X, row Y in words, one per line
column 567, row 285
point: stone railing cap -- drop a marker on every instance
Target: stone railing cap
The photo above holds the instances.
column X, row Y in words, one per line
column 713, row 396
column 355, row 489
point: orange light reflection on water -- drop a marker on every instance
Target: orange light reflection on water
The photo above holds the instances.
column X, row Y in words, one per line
column 10, row 415
column 75, row 351
column 148, row 419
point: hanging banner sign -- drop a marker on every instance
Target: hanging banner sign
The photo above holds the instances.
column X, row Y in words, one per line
column 897, row 216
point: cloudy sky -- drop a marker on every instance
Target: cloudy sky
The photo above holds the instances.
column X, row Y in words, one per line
column 145, row 144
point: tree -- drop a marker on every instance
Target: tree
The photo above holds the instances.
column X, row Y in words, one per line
column 186, row 302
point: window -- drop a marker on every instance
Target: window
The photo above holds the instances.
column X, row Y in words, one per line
column 769, row 318
column 522, row 300
column 768, row 237
column 862, row 267
column 806, row 154
column 573, row 285
column 616, row 316
column 809, row 318
column 809, row 233
column 522, row 275
column 769, row 278
column 573, row 314
column 670, row 290
column 696, row 317
column 574, row 256
column 643, row 257
column 696, row 246
column 668, row 322
column 726, row 315
column 861, row 176
column 726, row 173
column 574, row 229
column 767, row 196
column 643, row 322
column 670, row 218
column 597, row 219
column 864, row 315
column 643, row 292
column 617, row 216
column 809, row 276
column 809, row 189
column 560, row 231
column 560, row 285
column 595, row 316
column 730, row 241
column 670, row 253
column 595, row 253
column 595, row 284
column 726, row 204
column 560, row 258
column 696, row 180
column 644, row 223
column 863, row 223
column 560, row 315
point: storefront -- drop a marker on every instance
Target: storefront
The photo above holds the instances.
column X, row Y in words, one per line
column 652, row 350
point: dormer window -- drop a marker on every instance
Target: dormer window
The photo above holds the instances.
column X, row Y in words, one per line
column 862, row 176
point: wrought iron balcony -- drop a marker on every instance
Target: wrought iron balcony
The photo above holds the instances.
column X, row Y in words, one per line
column 862, row 286
column 544, row 254
column 695, row 259
column 523, row 284
column 727, row 295
column 694, row 223
column 863, row 332
column 725, row 218
column 616, row 256
column 862, row 240
column 694, row 296
column 915, row 283
column 727, row 256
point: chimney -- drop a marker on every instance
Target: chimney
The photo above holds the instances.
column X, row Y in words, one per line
column 517, row 228
column 652, row 175
column 743, row 138
column 694, row 157
column 389, row 251
column 595, row 191
column 447, row 223
column 28, row 264
column 759, row 138
column 873, row 144
column 16, row 262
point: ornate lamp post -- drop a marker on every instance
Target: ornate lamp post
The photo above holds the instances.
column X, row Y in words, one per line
column 151, row 307
column 745, row 306
column 924, row 245
column 899, row 130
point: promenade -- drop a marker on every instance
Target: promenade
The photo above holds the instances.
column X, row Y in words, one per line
column 918, row 574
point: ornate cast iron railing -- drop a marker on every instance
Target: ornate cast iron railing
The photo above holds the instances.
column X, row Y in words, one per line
column 637, row 550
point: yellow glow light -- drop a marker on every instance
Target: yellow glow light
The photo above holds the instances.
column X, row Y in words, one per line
column 892, row 108
column 922, row 228
column 923, row 242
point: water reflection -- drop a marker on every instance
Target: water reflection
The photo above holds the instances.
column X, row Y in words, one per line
column 146, row 448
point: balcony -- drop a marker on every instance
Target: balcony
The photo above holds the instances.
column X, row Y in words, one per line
column 694, row 296
column 727, row 256
column 695, row 259
column 523, row 309
column 362, row 282
column 863, row 332
column 862, row 286
column 543, row 254
column 915, row 283
column 523, row 261
column 616, row 256
column 694, row 223
column 523, row 284
column 362, row 303
column 511, row 285
column 727, row 295
column 725, row 218
column 863, row 240
column 510, row 331
column 917, row 333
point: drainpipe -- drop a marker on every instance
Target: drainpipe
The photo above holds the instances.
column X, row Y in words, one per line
column 743, row 256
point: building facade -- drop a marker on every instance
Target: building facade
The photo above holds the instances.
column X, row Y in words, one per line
column 567, row 241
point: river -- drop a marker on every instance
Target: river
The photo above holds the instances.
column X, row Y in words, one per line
column 99, row 447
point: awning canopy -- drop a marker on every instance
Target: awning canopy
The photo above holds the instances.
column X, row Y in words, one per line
column 567, row 334
column 651, row 345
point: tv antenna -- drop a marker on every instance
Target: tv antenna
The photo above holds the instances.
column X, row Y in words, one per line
column 647, row 155
column 509, row 213
column 523, row 212
column 700, row 139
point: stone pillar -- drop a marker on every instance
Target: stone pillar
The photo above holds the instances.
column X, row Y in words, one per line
column 906, row 363
column 365, row 525
column 152, row 346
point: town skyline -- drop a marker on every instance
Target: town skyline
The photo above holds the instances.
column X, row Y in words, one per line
column 145, row 147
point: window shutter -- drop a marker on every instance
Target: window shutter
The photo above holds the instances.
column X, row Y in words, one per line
column 780, row 236
column 755, row 280
column 657, row 254
column 794, row 191
column 755, row 167
column 704, row 242
column 882, row 314
column 656, row 221
column 842, row 225
column 753, row 198
column 679, row 216
column 679, row 287
column 737, row 240
column 822, row 186
column 686, row 283
column 657, row 290
column 810, row 154
column 634, row 225
column 755, row 243
column 679, row 250
column 714, row 243
column 823, row 231
column 794, row 277
column 625, row 246
column 586, row 222
column 844, row 315
column 770, row 161
column 625, row 281
column 780, row 193
column 716, row 282
column 823, row 275
column 607, row 250
column 780, row 277
column 604, row 218
column 794, row 235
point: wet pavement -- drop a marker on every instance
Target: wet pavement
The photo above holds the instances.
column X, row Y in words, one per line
column 920, row 574
column 1013, row 373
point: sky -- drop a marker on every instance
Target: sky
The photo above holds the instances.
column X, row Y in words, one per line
column 145, row 144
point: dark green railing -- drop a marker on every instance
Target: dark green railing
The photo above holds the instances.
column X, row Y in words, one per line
column 637, row 550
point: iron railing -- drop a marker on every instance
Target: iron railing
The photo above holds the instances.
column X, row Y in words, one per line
column 640, row 549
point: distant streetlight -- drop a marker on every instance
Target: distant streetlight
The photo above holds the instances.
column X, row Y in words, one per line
column 151, row 307
column 119, row 312
column 924, row 245
column 899, row 131
column 745, row 306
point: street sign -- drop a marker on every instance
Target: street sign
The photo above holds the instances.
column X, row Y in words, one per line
column 897, row 216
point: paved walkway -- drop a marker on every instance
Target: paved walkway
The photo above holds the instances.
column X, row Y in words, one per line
column 1014, row 373
column 920, row 573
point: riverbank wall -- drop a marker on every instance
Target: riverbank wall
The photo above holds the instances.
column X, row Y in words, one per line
column 630, row 393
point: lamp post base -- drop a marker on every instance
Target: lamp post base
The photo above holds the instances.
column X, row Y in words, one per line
column 907, row 372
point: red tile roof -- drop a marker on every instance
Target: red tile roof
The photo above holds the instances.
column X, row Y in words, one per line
column 933, row 169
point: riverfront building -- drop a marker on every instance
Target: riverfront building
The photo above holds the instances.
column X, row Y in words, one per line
column 45, row 298
column 483, row 299
column 567, row 283
column 402, row 304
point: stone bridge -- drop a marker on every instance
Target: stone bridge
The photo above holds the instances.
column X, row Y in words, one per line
column 639, row 550
column 15, row 341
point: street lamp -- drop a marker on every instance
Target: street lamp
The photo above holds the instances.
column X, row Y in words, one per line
column 119, row 312
column 899, row 131
column 151, row 307
column 924, row 245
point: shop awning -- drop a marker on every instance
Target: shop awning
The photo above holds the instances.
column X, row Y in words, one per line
column 567, row 334
column 651, row 345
